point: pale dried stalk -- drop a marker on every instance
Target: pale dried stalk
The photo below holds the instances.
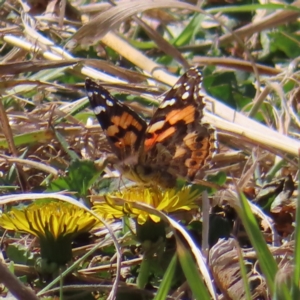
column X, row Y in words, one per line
column 233, row 121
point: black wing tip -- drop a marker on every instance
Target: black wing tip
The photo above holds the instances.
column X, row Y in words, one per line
column 195, row 71
column 92, row 86
column 197, row 68
column 89, row 84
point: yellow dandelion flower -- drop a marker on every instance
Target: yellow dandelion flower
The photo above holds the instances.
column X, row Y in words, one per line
column 55, row 223
column 167, row 201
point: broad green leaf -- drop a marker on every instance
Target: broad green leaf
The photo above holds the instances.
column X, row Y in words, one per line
column 20, row 255
column 285, row 42
column 81, row 175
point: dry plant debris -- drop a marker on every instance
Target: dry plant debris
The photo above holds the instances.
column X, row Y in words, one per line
column 233, row 236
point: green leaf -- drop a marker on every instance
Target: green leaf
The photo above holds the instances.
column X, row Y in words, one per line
column 244, row 276
column 189, row 31
column 285, row 42
column 252, row 7
column 191, row 273
column 39, row 136
column 144, row 272
column 165, row 285
column 221, row 86
column 65, row 145
column 296, row 275
column 266, row 260
column 218, row 178
column 151, row 231
column 20, row 254
column 81, row 174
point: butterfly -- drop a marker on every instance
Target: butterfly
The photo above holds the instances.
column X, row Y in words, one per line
column 174, row 144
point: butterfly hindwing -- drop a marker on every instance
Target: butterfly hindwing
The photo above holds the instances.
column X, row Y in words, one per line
column 176, row 140
column 123, row 127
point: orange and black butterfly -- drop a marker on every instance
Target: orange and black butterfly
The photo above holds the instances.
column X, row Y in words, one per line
column 174, row 144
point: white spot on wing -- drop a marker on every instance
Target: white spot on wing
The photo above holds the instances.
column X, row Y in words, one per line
column 99, row 109
column 201, row 94
column 185, row 95
column 167, row 103
column 109, row 103
column 156, row 126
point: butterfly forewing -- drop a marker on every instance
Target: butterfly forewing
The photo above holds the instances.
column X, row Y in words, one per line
column 123, row 127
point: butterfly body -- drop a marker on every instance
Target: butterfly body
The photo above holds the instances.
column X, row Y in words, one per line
column 174, row 144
